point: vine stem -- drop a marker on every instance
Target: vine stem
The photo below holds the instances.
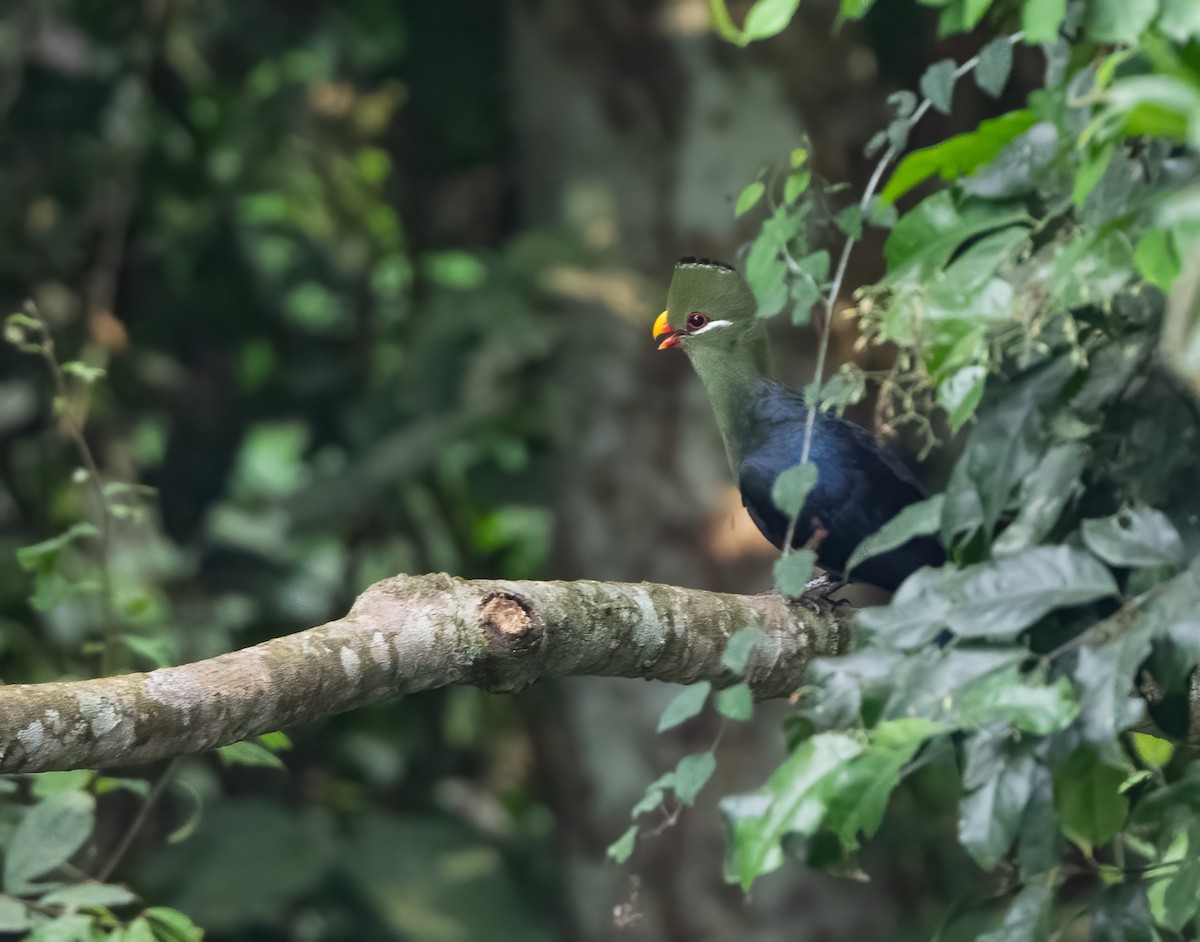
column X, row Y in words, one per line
column 839, row 275
column 75, row 431
column 126, row 841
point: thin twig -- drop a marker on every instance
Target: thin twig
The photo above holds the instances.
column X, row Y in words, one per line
column 75, row 431
column 839, row 275
column 139, row 819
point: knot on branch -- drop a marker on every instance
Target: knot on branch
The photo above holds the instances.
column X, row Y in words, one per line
column 511, row 632
column 509, row 624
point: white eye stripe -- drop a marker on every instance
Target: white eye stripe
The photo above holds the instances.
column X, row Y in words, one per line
column 711, row 325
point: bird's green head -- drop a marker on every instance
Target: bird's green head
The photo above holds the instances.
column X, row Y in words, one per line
column 709, row 306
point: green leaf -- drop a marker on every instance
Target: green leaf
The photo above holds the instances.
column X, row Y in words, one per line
column 1118, row 21
column 793, row 572
column 768, row 18
column 276, row 741
column 1152, row 750
column 739, row 647
column 749, row 198
column 1045, row 494
column 1004, row 448
column 1175, row 896
column 1001, row 598
column 1142, row 537
column 724, row 24
column 1095, row 163
column 46, row 784
column 1028, row 918
column 999, row 778
column 791, row 488
column 1025, row 703
column 42, row 556
column 137, row 931
column 795, row 800
column 1020, row 168
column 995, row 64
column 250, row 753
column 1087, row 796
column 1180, row 343
column 919, row 519
column 937, row 84
column 83, row 372
column 1041, row 19
column 692, row 774
column 795, row 185
column 927, row 236
column 1039, row 841
column 170, row 925
column 736, row 702
column 88, row 895
column 1156, row 259
column 48, row 836
column 655, row 793
column 621, row 849
column 14, row 917
column 856, row 9
column 960, row 394
column 685, row 704
column 1179, row 20
column 957, row 156
column 1105, row 678
column 849, row 220
column 1122, row 915
column 861, row 788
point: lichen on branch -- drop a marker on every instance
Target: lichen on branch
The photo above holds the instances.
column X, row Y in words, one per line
column 404, row 635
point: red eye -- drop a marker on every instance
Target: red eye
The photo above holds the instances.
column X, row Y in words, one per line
column 696, row 320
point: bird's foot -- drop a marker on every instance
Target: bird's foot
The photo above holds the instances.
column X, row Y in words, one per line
column 824, row 586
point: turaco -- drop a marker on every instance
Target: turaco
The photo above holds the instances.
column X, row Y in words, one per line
column 710, row 316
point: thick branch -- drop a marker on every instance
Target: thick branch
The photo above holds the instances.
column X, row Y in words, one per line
column 403, row 635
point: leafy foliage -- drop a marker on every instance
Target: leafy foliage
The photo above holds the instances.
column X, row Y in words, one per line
column 1026, row 296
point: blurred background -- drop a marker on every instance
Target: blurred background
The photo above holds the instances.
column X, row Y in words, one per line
column 372, row 285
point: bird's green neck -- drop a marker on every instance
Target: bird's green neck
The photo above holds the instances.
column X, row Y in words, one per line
column 731, row 374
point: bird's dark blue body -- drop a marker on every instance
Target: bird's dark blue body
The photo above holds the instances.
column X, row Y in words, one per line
column 711, row 316
column 859, row 488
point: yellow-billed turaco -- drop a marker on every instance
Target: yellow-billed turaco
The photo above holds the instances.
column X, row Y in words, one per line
column 711, row 316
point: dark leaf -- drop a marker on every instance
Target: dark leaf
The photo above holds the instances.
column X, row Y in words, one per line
column 791, row 488
column 1040, row 19
column 621, row 849
column 685, row 704
column 920, row 519
column 999, row 778
column 995, row 64
column 1025, row 703
column 739, row 648
column 48, row 836
column 1118, row 21
column 793, row 572
column 1122, row 915
column 736, row 702
column 999, row 599
column 1045, row 494
column 1028, row 918
column 1142, row 537
column 937, row 84
column 692, row 774
column 1004, row 448
column 1104, row 676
